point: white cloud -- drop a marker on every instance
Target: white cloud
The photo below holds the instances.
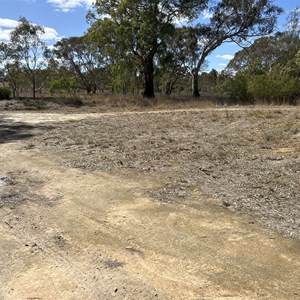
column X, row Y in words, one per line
column 4, row 25
column 181, row 22
column 50, row 47
column 50, row 34
column 67, row 5
column 223, row 65
column 7, row 25
column 226, row 56
column 206, row 14
column 4, row 34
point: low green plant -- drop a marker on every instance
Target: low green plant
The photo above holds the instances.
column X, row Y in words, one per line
column 63, row 85
column 4, row 93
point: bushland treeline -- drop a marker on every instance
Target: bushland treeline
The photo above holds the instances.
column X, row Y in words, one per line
column 138, row 46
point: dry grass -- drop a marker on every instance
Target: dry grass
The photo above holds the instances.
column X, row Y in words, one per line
column 233, row 154
column 120, row 103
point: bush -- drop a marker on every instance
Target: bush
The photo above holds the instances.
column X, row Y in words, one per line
column 73, row 102
column 63, row 85
column 239, row 89
column 4, row 93
column 275, row 88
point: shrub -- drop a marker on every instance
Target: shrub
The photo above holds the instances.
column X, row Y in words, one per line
column 63, row 85
column 273, row 87
column 4, row 93
column 73, row 102
column 239, row 89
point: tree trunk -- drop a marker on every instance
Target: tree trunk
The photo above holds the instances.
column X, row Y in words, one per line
column 33, row 89
column 88, row 89
column 33, row 83
column 170, row 86
column 148, row 78
column 195, row 83
column 14, row 92
column 168, row 89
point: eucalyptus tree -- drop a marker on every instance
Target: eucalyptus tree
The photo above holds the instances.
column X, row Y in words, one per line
column 271, row 53
column 10, row 67
column 233, row 21
column 84, row 60
column 293, row 22
column 178, row 57
column 268, row 69
column 135, row 30
column 30, row 49
column 265, row 54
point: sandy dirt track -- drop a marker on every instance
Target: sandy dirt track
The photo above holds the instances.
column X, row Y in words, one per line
column 72, row 233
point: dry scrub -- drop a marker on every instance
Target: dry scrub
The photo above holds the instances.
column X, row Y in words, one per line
column 248, row 158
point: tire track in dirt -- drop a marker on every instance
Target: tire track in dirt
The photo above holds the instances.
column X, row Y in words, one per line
column 98, row 235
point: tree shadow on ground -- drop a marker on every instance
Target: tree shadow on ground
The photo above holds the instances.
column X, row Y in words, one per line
column 14, row 131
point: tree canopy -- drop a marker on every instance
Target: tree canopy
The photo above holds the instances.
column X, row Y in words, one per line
column 268, row 70
column 84, row 59
column 137, row 29
column 26, row 40
column 159, row 46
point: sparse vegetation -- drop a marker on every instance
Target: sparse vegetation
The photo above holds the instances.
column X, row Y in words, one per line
column 237, row 155
column 129, row 172
column 140, row 205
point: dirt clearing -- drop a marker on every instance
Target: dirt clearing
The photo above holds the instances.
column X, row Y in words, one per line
column 200, row 204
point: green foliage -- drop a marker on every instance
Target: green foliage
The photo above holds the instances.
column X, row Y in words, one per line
column 208, row 81
column 249, row 88
column 234, row 21
column 137, row 44
column 238, row 89
column 177, row 57
column 261, row 87
column 63, row 85
column 269, row 70
column 265, row 53
column 139, row 29
column 273, row 87
column 293, row 22
column 125, row 79
column 4, row 93
column 26, row 39
column 84, row 60
column 297, row 59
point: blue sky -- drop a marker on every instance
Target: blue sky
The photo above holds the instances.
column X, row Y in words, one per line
column 64, row 18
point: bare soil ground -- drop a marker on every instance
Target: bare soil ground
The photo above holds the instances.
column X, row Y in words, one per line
column 186, row 204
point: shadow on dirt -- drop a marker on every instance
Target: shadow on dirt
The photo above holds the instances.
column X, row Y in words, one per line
column 13, row 131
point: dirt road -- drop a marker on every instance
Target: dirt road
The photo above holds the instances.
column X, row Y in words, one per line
column 71, row 233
